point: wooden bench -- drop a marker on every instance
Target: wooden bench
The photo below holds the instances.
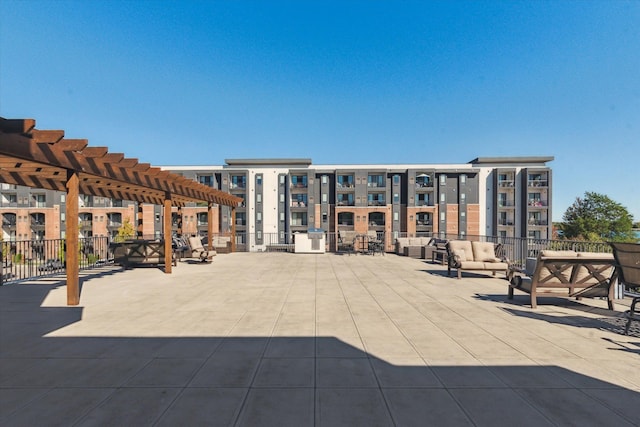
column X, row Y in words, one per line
column 569, row 273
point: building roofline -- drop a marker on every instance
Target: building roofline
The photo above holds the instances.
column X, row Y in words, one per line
column 267, row 162
column 519, row 160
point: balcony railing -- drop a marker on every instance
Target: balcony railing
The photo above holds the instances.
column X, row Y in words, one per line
column 537, row 183
column 506, row 183
column 506, row 203
column 376, row 203
column 537, row 203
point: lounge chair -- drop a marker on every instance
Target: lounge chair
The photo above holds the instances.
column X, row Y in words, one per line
column 199, row 251
column 627, row 256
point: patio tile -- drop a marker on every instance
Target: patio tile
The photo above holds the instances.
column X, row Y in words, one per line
column 166, row 373
column 229, row 370
column 498, row 407
column 351, row 407
column 291, row 347
column 204, row 407
column 131, row 406
column 344, row 372
column 424, row 407
column 572, row 407
column 402, row 372
column 58, row 407
column 278, row 407
column 286, row 372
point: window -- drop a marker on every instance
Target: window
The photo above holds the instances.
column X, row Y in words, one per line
column 282, row 216
column 324, row 197
column 258, row 217
column 396, row 198
column 259, row 198
column 462, row 197
column 442, row 216
column 259, row 179
column 281, row 197
column 443, row 198
column 443, row 179
column 206, row 180
column 324, row 217
column 299, row 218
column 395, row 216
column 281, row 179
column 375, row 181
column 325, row 178
column 463, row 178
column 396, row 179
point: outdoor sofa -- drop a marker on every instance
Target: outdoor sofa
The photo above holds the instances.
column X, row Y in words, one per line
column 411, row 246
column 465, row 255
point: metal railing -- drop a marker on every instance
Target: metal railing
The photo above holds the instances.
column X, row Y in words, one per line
column 24, row 259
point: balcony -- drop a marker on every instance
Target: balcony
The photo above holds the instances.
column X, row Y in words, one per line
column 537, row 203
column 537, row 222
column 85, row 224
column 114, row 224
column 506, row 183
column 506, row 204
column 237, row 185
column 505, row 222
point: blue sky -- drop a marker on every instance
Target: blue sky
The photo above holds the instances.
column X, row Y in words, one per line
column 363, row 82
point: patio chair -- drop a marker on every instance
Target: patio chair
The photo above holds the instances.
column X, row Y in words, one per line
column 346, row 241
column 627, row 256
column 198, row 251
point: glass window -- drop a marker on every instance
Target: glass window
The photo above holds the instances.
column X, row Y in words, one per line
column 259, row 179
column 442, row 216
column 324, row 197
column 259, row 198
column 396, row 198
column 442, row 197
column 325, row 178
column 258, row 217
column 443, row 179
column 396, row 179
column 463, row 178
column 395, row 216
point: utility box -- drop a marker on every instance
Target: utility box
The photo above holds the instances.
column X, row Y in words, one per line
column 313, row 242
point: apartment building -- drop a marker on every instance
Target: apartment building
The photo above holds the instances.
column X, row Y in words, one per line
column 501, row 196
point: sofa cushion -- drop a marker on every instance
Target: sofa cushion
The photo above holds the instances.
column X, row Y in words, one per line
column 461, row 245
column 496, row 266
column 459, row 255
column 472, row 265
column 551, row 254
column 484, row 251
column 597, row 255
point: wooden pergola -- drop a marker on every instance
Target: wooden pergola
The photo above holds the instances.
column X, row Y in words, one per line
column 45, row 159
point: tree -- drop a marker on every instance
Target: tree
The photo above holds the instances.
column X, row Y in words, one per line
column 126, row 231
column 597, row 218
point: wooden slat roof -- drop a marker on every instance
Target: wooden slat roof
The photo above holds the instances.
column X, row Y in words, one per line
column 42, row 158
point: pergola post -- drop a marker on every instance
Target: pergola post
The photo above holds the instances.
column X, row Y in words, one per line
column 233, row 228
column 210, row 225
column 71, row 238
column 166, row 231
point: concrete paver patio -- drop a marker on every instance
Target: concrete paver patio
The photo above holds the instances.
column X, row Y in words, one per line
column 277, row 339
